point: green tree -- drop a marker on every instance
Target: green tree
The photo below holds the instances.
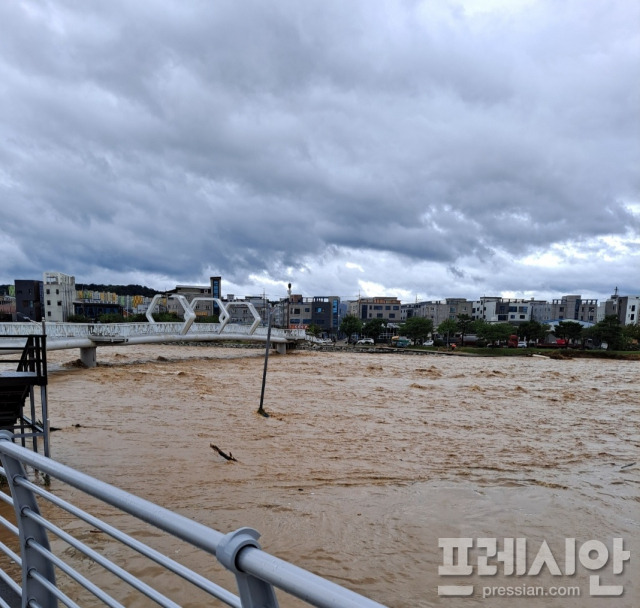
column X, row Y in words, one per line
column 77, row 319
column 207, row 319
column 448, row 329
column 533, row 330
column 464, row 325
column 417, row 328
column 350, row 324
column 166, row 317
column 608, row 330
column 137, row 318
column 374, row 327
column 495, row 332
column 632, row 333
column 111, row 318
column 568, row 330
column 314, row 330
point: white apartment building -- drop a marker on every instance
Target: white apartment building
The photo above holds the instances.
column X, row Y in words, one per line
column 626, row 308
column 59, row 294
column 503, row 310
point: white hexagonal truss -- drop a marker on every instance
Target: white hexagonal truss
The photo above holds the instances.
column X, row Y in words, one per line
column 257, row 319
column 152, row 306
column 190, row 315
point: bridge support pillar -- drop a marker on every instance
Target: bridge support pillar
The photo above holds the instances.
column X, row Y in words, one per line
column 281, row 349
column 88, row 356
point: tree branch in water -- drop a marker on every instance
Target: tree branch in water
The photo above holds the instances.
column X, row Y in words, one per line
column 228, row 456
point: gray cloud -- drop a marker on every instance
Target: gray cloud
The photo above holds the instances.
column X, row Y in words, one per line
column 167, row 141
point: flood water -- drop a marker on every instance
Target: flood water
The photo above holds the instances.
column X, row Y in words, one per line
column 368, row 459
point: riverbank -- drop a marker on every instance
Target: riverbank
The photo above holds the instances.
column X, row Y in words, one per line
column 552, row 353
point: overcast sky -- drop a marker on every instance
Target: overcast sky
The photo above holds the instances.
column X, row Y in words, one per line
column 391, row 147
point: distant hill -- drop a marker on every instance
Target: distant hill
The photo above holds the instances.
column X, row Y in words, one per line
column 121, row 290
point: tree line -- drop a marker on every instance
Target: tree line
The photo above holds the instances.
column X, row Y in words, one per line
column 419, row 329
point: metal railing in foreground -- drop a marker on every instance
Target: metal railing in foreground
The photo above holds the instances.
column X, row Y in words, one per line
column 257, row 573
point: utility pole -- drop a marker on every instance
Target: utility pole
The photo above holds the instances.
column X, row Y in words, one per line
column 261, row 410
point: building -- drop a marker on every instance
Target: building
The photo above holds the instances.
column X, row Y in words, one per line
column 438, row 311
column 93, row 310
column 59, row 295
column 29, row 297
column 574, row 308
column 625, row 308
column 7, row 308
column 321, row 311
column 239, row 313
column 385, row 308
column 542, row 312
column 202, row 309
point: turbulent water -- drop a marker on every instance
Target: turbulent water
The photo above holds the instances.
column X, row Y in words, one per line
column 368, row 459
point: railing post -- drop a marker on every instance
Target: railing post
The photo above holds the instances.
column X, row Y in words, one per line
column 23, row 501
column 254, row 593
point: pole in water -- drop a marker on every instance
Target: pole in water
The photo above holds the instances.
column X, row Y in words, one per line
column 266, row 360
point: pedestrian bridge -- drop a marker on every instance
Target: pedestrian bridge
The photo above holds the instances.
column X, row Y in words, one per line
column 88, row 336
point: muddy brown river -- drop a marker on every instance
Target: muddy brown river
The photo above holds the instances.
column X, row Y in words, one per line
column 368, row 459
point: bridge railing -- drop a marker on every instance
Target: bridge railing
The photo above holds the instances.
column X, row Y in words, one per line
column 256, row 572
column 57, row 331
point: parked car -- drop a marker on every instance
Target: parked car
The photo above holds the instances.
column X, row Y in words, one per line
column 400, row 341
column 427, row 343
column 365, row 341
column 522, row 344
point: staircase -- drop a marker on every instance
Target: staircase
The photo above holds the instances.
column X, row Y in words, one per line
column 19, row 378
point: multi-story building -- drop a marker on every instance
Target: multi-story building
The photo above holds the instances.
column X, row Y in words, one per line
column 321, row 311
column 59, row 294
column 574, row 308
column 385, row 308
column 29, row 296
column 494, row 309
column 628, row 309
column 438, row 311
column 625, row 308
column 541, row 311
column 239, row 313
column 7, row 307
column 203, row 308
column 95, row 309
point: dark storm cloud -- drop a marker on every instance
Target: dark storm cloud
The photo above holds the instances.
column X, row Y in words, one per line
column 174, row 139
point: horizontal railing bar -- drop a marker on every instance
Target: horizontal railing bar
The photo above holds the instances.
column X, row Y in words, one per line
column 9, row 525
column 67, row 601
column 299, row 582
column 5, row 497
column 193, row 532
column 189, row 575
column 107, row 564
column 75, row 575
column 9, row 552
column 10, row 582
